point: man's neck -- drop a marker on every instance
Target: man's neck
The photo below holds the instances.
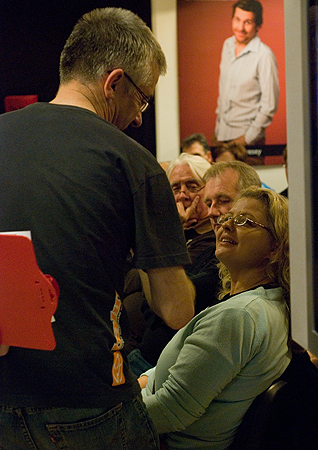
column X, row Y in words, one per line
column 83, row 96
column 244, row 280
column 239, row 48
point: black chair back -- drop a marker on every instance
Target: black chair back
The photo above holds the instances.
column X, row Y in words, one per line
column 285, row 416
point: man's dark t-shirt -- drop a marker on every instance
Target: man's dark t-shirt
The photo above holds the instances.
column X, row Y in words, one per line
column 88, row 194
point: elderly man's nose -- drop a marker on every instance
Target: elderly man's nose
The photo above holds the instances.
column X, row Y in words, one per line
column 183, row 194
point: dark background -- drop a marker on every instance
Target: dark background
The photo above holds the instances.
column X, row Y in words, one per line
column 32, row 35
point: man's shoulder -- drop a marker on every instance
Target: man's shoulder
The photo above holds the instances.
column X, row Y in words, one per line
column 229, row 42
column 266, row 48
column 228, row 49
column 80, row 125
column 258, row 45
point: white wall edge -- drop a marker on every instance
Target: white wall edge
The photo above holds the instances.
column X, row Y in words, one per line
column 164, row 26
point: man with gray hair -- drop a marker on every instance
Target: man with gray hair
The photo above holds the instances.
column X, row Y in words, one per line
column 89, row 195
column 185, row 174
column 224, row 182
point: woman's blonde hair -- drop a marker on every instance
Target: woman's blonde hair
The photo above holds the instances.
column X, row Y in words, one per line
column 276, row 210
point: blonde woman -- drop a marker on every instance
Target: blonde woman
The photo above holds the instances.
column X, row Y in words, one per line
column 208, row 375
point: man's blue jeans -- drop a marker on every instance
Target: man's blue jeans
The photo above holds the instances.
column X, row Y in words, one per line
column 124, row 427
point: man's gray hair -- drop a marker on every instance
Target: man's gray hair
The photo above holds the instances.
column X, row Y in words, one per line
column 111, row 38
column 197, row 164
column 247, row 175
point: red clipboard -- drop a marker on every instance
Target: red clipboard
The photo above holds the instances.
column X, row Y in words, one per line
column 28, row 298
column 13, row 102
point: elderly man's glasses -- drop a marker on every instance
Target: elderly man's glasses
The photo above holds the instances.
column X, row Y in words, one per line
column 239, row 221
column 190, row 186
column 147, row 101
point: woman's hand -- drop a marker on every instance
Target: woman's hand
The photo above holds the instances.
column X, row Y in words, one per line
column 143, row 381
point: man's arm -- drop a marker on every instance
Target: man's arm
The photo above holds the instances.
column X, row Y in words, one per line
column 222, row 90
column 269, row 88
column 170, row 294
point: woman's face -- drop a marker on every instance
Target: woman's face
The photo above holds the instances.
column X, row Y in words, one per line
column 185, row 186
column 248, row 246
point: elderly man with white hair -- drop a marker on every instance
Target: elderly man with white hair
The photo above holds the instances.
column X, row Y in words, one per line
column 185, row 174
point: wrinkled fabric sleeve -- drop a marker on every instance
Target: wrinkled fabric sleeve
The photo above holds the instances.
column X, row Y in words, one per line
column 160, row 240
column 203, row 368
column 218, row 110
column 269, row 88
column 148, row 390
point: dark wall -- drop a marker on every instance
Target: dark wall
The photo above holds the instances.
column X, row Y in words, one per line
column 32, row 35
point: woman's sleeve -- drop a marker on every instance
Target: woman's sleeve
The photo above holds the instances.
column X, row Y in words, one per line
column 209, row 359
column 148, row 390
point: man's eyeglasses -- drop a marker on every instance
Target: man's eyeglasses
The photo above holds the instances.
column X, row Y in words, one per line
column 239, row 221
column 190, row 187
column 147, row 101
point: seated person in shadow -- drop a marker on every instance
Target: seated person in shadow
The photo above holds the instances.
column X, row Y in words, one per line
column 197, row 144
column 224, row 183
column 213, row 368
column 229, row 152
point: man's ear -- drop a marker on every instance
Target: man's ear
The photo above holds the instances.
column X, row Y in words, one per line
column 209, row 156
column 112, row 82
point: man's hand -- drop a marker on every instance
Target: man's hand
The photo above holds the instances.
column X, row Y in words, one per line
column 216, row 143
column 186, row 213
column 239, row 140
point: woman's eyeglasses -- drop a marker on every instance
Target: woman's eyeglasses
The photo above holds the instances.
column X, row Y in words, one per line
column 239, row 221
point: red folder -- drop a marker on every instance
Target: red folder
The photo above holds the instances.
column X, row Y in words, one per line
column 13, row 102
column 28, row 298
